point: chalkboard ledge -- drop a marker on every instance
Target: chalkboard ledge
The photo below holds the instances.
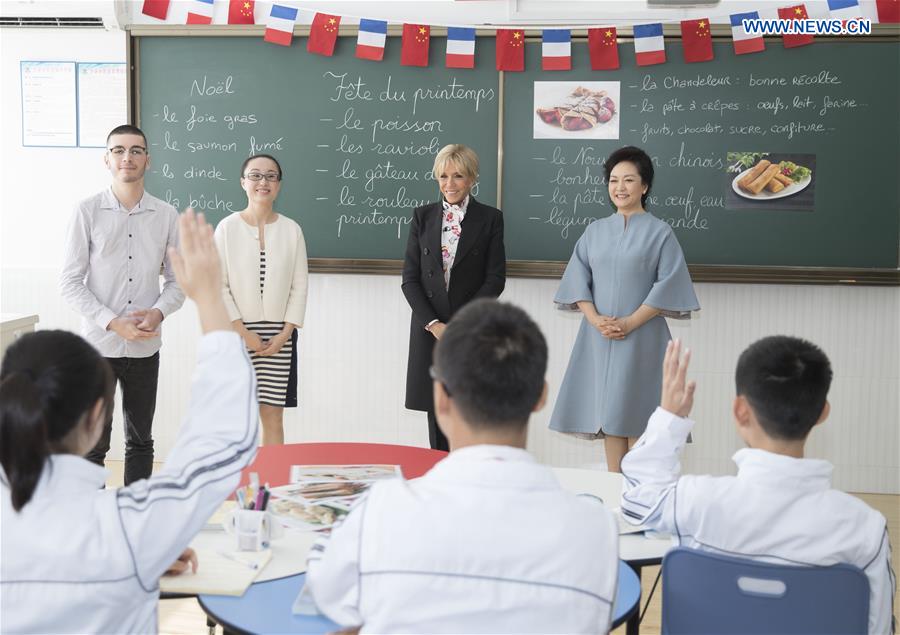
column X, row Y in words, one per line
column 699, row 273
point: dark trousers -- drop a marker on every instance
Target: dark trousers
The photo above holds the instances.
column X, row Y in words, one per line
column 435, row 437
column 137, row 377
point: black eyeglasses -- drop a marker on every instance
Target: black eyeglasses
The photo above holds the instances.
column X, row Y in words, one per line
column 257, row 176
column 435, row 377
column 135, row 151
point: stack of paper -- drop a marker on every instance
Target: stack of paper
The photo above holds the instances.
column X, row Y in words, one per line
column 219, row 573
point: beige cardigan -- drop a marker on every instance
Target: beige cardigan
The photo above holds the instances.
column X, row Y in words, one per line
column 284, row 297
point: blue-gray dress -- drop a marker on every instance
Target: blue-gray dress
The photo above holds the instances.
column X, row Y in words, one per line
column 613, row 386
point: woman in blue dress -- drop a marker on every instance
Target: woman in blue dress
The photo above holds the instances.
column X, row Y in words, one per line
column 626, row 275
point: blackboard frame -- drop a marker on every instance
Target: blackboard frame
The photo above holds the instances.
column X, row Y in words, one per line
column 530, row 268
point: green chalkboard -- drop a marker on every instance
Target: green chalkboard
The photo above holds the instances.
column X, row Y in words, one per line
column 831, row 107
column 356, row 139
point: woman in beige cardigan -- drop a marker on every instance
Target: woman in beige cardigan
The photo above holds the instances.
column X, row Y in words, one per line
column 265, row 281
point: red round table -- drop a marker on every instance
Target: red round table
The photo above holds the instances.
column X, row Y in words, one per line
column 273, row 462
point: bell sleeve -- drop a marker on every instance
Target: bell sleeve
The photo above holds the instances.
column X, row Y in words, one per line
column 577, row 283
column 673, row 291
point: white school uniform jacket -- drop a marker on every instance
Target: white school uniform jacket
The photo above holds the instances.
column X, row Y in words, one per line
column 78, row 559
column 778, row 509
column 486, row 542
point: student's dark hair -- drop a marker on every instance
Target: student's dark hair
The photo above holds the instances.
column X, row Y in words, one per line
column 786, row 380
column 492, row 359
column 641, row 161
column 127, row 129
column 262, row 156
column 49, row 381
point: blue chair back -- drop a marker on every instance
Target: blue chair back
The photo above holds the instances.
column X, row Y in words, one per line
column 711, row 593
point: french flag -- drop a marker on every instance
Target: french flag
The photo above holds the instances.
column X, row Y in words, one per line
column 649, row 47
column 200, row 12
column 370, row 41
column 280, row 25
column 556, row 50
column 460, row 47
column 745, row 42
column 844, row 9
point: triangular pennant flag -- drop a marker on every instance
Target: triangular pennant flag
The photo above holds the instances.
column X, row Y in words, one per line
column 696, row 42
column 200, row 12
column 604, row 49
column 241, row 11
column 649, row 46
column 556, row 50
column 370, row 41
column 323, row 34
column 510, row 50
column 796, row 12
column 156, row 8
column 460, row 47
column 280, row 25
column 414, row 45
column 743, row 41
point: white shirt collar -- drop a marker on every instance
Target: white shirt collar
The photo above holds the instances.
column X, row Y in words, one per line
column 787, row 471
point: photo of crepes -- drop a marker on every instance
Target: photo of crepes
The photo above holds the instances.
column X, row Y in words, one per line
column 767, row 179
column 576, row 110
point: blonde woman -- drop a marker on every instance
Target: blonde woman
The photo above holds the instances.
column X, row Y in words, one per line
column 455, row 254
column 265, row 281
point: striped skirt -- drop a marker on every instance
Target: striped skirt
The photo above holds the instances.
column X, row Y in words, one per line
column 276, row 375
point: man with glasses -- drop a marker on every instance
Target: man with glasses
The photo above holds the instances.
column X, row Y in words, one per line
column 116, row 245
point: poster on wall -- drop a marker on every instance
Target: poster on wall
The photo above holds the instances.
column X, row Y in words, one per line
column 101, row 101
column 48, row 104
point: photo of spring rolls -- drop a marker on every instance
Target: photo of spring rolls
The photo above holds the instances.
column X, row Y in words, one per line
column 760, row 177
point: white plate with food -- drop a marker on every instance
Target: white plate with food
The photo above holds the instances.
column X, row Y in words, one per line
column 766, row 181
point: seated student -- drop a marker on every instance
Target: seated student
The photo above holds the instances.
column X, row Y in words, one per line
column 487, row 541
column 780, row 507
column 80, row 559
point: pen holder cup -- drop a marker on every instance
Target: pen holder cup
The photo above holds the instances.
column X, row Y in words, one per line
column 252, row 530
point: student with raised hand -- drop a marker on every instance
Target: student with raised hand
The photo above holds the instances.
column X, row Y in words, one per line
column 780, row 507
column 80, row 559
column 487, row 541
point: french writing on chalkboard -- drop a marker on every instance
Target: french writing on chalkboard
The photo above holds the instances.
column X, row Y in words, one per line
column 671, row 115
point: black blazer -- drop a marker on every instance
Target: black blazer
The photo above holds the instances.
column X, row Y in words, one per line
column 479, row 271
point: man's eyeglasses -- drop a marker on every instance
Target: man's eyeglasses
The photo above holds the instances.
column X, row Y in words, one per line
column 435, row 377
column 136, row 151
column 258, row 176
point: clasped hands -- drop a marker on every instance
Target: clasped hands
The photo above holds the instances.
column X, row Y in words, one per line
column 265, row 348
column 138, row 325
column 611, row 327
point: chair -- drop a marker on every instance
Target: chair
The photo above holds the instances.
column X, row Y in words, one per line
column 711, row 593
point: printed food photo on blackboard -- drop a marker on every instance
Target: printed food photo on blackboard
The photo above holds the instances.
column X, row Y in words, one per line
column 576, row 110
column 770, row 180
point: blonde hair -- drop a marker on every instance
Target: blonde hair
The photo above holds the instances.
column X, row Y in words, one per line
column 464, row 158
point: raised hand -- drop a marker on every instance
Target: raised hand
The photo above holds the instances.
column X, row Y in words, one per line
column 677, row 394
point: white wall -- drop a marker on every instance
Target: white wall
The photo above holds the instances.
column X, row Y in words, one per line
column 353, row 350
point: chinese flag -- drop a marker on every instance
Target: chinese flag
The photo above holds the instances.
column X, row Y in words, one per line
column 414, row 49
column 323, row 34
column 797, row 12
column 604, row 49
column 240, row 12
column 510, row 50
column 696, row 41
column 888, row 11
column 156, row 8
